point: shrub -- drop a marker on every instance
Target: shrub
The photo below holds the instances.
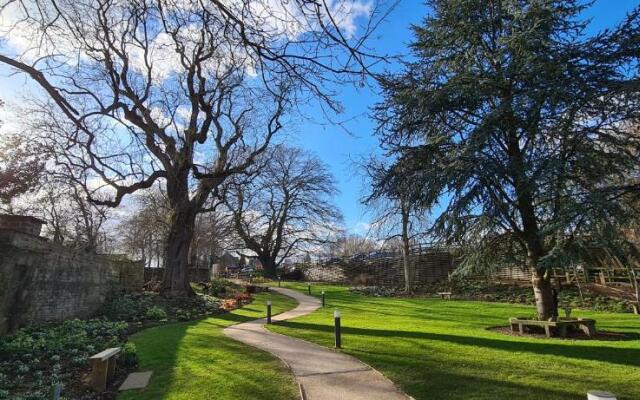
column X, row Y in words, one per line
column 260, row 280
column 251, row 289
column 218, row 287
column 122, row 307
column 129, row 356
column 156, row 313
column 376, row 291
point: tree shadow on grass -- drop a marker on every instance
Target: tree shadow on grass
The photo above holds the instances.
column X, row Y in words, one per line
column 438, row 385
column 195, row 360
column 615, row 355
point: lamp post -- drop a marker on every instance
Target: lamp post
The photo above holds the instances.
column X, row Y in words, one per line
column 309, row 288
column 336, row 320
column 323, row 298
column 268, row 311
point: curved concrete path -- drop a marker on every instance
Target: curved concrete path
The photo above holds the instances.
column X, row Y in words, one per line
column 323, row 374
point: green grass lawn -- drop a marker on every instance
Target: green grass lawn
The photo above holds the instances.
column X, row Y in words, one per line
column 435, row 349
column 194, row 360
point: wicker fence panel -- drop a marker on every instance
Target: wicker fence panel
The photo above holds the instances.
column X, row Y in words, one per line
column 430, row 266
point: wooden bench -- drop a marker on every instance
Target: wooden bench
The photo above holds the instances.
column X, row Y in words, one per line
column 103, row 367
column 588, row 326
column 445, row 295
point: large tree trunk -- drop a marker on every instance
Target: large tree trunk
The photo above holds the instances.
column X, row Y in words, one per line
column 175, row 281
column 545, row 299
column 268, row 266
column 543, row 290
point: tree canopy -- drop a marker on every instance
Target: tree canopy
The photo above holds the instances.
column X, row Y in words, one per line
column 517, row 124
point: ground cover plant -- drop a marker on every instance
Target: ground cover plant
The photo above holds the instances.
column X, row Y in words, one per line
column 32, row 360
column 505, row 292
column 438, row 350
column 194, row 360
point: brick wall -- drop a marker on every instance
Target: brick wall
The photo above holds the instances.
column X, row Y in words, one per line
column 41, row 282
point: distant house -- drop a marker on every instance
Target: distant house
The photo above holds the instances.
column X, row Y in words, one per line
column 227, row 264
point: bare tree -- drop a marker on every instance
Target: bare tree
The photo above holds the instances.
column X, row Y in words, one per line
column 285, row 207
column 20, row 172
column 144, row 230
column 187, row 93
column 142, row 234
column 395, row 216
column 349, row 245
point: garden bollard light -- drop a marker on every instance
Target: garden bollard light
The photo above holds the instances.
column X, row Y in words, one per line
column 309, row 287
column 279, row 280
column 268, row 311
column 336, row 319
column 600, row 395
column 56, row 391
column 323, row 298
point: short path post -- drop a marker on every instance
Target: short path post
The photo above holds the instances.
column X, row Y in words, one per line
column 309, row 288
column 268, row 311
column 323, row 298
column 336, row 320
column 103, row 367
column 279, row 281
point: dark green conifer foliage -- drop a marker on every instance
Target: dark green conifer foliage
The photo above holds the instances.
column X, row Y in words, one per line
column 519, row 125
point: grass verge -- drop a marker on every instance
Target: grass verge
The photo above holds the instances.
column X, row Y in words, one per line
column 194, row 360
column 440, row 350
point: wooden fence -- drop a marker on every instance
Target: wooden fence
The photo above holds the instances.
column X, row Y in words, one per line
column 383, row 269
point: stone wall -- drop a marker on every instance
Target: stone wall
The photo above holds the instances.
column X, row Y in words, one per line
column 41, row 282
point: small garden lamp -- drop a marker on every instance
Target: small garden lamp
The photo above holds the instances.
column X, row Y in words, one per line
column 268, row 311
column 600, row 395
column 336, row 320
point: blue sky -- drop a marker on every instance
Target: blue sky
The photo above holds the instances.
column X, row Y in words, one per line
column 332, row 143
column 340, row 149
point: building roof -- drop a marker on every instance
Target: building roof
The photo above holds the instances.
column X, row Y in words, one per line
column 22, row 217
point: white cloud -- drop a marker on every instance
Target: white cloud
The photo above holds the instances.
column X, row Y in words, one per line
column 278, row 18
column 361, row 228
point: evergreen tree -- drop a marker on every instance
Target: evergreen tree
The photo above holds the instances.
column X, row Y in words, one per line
column 517, row 123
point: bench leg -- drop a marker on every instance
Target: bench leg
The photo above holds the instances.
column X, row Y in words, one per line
column 547, row 331
column 521, row 329
column 99, row 376
column 588, row 330
column 111, row 369
column 562, row 331
column 636, row 309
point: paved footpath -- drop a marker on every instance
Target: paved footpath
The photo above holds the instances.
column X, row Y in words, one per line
column 323, row 374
